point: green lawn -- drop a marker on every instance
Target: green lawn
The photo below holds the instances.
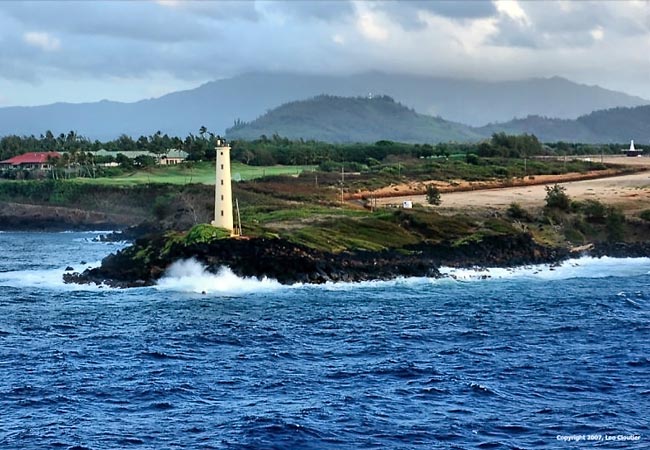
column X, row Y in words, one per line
column 203, row 173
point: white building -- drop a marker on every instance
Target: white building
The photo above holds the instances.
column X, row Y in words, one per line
column 223, row 217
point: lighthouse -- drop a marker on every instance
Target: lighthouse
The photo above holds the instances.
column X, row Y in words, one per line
column 223, row 189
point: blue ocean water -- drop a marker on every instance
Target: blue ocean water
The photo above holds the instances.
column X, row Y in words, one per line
column 538, row 357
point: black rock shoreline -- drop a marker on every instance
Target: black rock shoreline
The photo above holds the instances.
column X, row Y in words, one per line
column 147, row 260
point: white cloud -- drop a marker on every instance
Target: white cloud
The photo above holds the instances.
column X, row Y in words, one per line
column 512, row 9
column 597, row 33
column 369, row 25
column 42, row 40
column 180, row 41
column 338, row 39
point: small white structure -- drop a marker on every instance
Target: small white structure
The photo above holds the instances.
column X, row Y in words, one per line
column 632, row 151
column 223, row 189
column 407, row 204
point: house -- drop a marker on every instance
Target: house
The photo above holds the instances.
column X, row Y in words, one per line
column 172, row 157
column 31, row 161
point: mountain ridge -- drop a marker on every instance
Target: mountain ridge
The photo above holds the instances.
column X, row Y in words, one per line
column 612, row 125
column 358, row 119
column 217, row 104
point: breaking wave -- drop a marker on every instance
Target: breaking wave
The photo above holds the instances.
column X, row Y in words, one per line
column 584, row 267
column 46, row 278
column 191, row 276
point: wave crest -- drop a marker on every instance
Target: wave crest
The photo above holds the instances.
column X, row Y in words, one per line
column 189, row 275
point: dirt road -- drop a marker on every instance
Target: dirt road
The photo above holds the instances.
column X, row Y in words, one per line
column 630, row 191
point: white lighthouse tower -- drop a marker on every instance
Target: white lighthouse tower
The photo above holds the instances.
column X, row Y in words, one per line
column 223, row 189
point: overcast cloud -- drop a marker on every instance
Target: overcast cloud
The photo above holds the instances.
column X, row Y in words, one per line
column 86, row 51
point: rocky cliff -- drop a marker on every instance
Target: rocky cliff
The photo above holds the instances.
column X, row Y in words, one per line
column 146, row 261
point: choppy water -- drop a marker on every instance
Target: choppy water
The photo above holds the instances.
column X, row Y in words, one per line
column 510, row 362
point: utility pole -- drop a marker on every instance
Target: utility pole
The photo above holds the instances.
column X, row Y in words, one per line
column 525, row 166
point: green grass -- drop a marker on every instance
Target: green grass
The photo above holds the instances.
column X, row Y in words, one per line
column 342, row 234
column 202, row 173
column 263, row 215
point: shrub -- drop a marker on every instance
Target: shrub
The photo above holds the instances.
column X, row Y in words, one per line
column 162, row 206
column 594, row 210
column 645, row 215
column 515, row 211
column 433, row 195
column 204, row 233
column 557, row 198
column 615, row 224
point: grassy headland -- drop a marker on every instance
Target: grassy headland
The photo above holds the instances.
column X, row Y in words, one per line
column 311, row 208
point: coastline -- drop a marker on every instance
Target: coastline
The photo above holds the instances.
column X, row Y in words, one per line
column 28, row 217
column 144, row 263
column 147, row 260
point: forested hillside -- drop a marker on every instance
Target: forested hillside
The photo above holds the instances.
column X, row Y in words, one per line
column 605, row 126
column 346, row 119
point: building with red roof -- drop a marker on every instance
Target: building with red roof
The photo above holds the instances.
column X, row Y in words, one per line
column 32, row 160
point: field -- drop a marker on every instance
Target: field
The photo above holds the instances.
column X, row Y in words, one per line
column 202, row 173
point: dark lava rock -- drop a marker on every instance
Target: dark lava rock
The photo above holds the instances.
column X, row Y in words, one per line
column 144, row 262
column 621, row 249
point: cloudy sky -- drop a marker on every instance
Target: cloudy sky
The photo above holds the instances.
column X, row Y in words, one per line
column 128, row 50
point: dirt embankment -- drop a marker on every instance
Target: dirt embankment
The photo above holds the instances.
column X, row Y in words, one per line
column 419, row 188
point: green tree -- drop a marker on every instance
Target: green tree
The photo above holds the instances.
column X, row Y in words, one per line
column 615, row 225
column 144, row 161
column 557, row 198
column 433, row 195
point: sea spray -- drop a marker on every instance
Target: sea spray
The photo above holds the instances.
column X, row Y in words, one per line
column 46, row 278
column 189, row 275
column 584, row 267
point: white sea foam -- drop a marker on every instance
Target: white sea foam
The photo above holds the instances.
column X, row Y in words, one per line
column 46, row 279
column 585, row 267
column 191, row 276
column 87, row 232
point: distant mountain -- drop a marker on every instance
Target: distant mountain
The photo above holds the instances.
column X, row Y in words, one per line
column 346, row 119
column 218, row 104
column 605, row 126
column 358, row 119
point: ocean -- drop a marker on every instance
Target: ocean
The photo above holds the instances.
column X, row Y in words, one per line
column 537, row 357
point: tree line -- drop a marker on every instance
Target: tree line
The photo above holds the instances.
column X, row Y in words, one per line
column 266, row 151
column 199, row 147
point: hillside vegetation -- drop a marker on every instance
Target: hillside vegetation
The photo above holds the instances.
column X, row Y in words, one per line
column 604, row 126
column 361, row 119
column 217, row 103
column 345, row 119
